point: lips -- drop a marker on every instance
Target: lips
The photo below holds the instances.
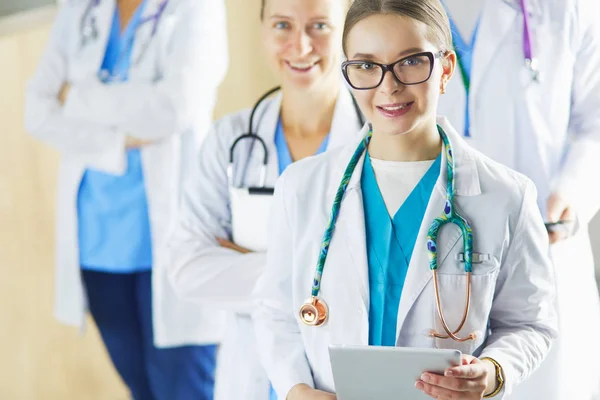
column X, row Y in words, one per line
column 301, row 67
column 395, row 110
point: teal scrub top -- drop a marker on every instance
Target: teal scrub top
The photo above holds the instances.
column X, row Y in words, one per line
column 113, row 221
column 390, row 244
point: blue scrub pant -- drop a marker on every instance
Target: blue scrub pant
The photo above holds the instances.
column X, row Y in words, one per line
column 121, row 305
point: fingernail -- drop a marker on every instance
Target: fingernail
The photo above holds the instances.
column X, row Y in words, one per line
column 419, row 385
column 449, row 373
column 425, row 378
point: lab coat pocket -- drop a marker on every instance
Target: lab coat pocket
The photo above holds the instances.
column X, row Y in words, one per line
column 453, row 292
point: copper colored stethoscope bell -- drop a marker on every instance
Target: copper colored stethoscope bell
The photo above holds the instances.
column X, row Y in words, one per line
column 313, row 312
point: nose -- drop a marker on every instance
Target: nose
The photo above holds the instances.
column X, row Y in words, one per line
column 303, row 43
column 390, row 84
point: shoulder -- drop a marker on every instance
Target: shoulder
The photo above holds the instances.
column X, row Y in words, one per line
column 226, row 129
column 504, row 185
column 229, row 127
column 211, row 7
column 312, row 178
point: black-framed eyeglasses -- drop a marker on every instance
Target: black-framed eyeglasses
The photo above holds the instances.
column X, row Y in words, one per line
column 410, row 70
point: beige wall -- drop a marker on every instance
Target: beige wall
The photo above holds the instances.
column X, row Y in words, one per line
column 41, row 359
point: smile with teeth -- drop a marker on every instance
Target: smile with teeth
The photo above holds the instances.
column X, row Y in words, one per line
column 302, row 66
column 395, row 107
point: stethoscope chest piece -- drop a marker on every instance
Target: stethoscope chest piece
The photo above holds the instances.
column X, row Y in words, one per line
column 313, row 312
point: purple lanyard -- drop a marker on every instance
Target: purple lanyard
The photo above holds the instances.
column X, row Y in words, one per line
column 530, row 61
column 155, row 17
column 526, row 35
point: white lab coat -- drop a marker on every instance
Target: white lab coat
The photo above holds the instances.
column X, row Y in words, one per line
column 512, row 292
column 551, row 133
column 169, row 95
column 203, row 272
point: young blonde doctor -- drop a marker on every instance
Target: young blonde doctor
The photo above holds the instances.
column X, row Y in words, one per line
column 374, row 276
column 530, row 75
column 217, row 251
column 120, row 90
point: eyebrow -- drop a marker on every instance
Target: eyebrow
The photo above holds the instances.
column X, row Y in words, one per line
column 279, row 16
column 400, row 55
column 318, row 18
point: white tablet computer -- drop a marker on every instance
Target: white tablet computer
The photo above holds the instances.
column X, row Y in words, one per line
column 385, row 373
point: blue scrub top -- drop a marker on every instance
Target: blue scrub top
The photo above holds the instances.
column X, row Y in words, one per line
column 283, row 151
column 390, row 244
column 113, row 222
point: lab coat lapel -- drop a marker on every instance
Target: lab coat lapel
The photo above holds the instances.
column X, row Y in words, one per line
column 95, row 50
column 466, row 184
column 265, row 123
column 419, row 274
column 350, row 227
column 496, row 20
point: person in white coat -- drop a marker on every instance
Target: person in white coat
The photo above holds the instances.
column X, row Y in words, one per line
column 541, row 118
column 368, row 278
column 217, row 251
column 120, row 91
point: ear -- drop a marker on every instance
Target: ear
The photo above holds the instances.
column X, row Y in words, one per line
column 448, row 66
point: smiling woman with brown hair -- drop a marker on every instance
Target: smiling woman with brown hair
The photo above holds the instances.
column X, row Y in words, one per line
column 218, row 246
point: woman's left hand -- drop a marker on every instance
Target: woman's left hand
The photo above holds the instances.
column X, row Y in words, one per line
column 470, row 381
column 64, row 93
column 228, row 244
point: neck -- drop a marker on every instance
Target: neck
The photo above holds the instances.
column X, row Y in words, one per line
column 309, row 113
column 126, row 10
column 423, row 143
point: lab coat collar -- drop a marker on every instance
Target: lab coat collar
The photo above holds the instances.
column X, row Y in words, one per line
column 346, row 121
column 534, row 9
column 103, row 15
column 497, row 18
column 351, row 227
column 265, row 123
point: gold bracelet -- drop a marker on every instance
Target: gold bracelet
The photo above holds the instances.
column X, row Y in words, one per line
column 499, row 377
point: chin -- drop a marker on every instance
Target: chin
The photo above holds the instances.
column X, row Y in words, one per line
column 304, row 82
column 394, row 128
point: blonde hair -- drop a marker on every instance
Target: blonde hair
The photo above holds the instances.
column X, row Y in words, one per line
column 429, row 12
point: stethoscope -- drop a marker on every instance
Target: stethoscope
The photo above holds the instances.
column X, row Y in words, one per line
column 89, row 26
column 314, row 311
column 262, row 189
